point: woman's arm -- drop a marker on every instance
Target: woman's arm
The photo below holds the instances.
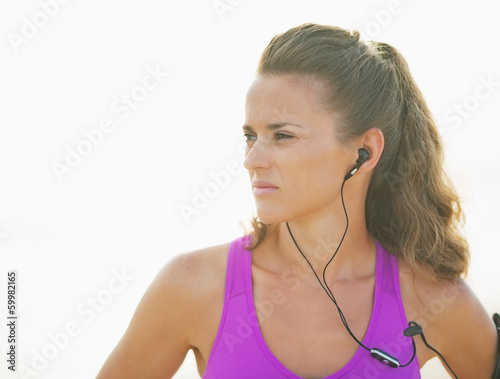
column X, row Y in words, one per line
column 158, row 337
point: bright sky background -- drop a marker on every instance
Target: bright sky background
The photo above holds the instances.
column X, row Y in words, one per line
column 119, row 208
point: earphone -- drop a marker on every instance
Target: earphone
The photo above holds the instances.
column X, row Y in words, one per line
column 413, row 328
column 363, row 156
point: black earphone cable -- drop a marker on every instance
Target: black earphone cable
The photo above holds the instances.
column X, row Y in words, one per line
column 327, row 289
column 439, row 354
column 329, row 292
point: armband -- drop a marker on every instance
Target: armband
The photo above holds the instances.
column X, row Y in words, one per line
column 496, row 320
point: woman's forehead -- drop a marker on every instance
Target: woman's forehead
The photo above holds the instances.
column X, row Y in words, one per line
column 281, row 99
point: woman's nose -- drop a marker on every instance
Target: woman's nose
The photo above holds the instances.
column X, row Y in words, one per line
column 258, row 155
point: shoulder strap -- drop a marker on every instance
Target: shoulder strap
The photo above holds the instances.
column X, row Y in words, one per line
column 387, row 275
column 238, row 261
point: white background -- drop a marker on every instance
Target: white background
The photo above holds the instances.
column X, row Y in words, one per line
column 119, row 207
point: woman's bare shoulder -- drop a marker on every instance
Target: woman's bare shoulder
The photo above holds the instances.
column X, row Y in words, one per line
column 453, row 321
column 197, row 269
column 434, row 297
column 439, row 302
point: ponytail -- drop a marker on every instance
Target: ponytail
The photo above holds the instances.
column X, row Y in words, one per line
column 411, row 206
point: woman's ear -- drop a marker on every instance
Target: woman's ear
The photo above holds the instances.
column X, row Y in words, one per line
column 373, row 141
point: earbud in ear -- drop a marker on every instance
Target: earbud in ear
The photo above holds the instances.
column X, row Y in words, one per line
column 363, row 156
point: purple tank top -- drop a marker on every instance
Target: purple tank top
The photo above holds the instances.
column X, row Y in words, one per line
column 239, row 350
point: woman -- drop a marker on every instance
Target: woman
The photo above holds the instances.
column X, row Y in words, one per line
column 275, row 304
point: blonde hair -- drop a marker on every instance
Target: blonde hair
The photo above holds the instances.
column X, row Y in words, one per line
column 411, row 207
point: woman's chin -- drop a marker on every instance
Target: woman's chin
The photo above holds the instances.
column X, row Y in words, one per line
column 268, row 216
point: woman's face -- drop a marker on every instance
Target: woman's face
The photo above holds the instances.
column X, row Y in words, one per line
column 295, row 162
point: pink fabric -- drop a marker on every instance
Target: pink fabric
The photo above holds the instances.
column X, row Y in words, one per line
column 240, row 351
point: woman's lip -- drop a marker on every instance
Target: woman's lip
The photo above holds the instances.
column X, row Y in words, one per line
column 263, row 188
column 262, row 184
column 259, row 191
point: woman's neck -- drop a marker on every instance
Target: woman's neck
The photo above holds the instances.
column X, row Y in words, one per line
column 318, row 240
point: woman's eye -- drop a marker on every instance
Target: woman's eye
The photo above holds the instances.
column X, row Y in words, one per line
column 249, row 137
column 282, row 136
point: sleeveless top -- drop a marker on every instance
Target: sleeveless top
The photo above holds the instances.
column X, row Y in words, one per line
column 239, row 350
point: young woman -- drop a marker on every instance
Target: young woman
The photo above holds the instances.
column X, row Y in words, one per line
column 356, row 250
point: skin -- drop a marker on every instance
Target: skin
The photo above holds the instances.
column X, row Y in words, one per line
column 182, row 308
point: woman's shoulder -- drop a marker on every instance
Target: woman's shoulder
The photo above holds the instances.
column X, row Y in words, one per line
column 422, row 287
column 436, row 297
column 201, row 267
column 439, row 302
column 196, row 271
column 452, row 318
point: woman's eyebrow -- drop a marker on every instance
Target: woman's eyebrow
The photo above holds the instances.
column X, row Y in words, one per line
column 273, row 126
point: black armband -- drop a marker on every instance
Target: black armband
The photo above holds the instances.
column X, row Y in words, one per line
column 496, row 319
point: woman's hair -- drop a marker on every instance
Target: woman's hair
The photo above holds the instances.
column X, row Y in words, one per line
column 411, row 207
